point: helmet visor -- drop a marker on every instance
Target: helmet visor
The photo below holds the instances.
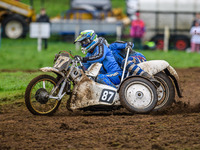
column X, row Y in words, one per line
column 85, row 43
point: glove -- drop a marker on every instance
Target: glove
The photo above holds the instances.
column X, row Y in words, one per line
column 130, row 44
column 78, row 57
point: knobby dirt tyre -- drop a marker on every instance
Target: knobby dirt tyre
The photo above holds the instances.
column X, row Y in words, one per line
column 36, row 96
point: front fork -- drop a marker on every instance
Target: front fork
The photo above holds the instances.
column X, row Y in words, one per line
column 60, row 93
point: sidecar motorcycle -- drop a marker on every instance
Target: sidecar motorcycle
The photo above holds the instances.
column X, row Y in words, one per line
column 135, row 93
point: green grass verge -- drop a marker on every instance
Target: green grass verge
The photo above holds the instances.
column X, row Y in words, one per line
column 13, row 85
column 22, row 54
column 177, row 59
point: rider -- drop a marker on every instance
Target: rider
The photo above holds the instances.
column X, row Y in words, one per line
column 119, row 51
column 97, row 51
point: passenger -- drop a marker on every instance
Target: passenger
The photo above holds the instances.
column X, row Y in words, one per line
column 97, row 51
column 119, row 51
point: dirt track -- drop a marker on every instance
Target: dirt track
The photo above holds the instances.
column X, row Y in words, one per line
column 175, row 128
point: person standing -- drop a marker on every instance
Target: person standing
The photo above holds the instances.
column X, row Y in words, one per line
column 137, row 31
column 43, row 17
column 195, row 39
column 197, row 19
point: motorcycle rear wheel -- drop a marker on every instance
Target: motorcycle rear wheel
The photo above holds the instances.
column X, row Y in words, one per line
column 37, row 96
column 138, row 95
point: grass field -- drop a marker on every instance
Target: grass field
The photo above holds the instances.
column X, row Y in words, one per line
column 13, row 85
column 17, row 56
column 21, row 55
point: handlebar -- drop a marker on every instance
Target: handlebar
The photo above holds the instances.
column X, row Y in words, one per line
column 79, row 61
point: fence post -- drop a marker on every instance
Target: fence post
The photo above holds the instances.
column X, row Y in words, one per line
column 39, row 38
column 77, row 30
column 0, row 35
column 166, row 39
column 119, row 32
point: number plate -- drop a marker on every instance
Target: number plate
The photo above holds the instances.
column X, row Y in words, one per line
column 107, row 96
column 61, row 61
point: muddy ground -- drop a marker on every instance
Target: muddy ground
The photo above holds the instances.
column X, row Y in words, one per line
column 175, row 128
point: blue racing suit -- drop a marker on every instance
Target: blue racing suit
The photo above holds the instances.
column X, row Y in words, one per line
column 110, row 72
column 119, row 52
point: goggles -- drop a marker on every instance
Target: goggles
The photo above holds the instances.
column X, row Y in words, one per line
column 85, row 42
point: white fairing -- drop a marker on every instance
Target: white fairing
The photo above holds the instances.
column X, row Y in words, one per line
column 51, row 69
column 154, row 66
column 93, row 70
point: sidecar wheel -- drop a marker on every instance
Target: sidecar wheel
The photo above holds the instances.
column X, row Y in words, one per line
column 166, row 91
column 138, row 95
column 36, row 96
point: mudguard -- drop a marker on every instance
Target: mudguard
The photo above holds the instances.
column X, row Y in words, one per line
column 153, row 66
column 93, row 70
column 51, row 69
column 170, row 71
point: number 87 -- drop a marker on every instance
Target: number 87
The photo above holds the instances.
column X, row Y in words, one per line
column 107, row 95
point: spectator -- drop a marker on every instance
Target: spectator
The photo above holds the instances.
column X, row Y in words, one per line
column 195, row 40
column 197, row 19
column 43, row 18
column 137, row 31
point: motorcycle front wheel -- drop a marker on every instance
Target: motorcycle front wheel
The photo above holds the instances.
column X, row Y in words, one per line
column 37, row 95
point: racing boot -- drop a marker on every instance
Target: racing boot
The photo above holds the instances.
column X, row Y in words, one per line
column 148, row 76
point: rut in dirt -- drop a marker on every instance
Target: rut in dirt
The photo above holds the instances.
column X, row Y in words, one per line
column 179, row 108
